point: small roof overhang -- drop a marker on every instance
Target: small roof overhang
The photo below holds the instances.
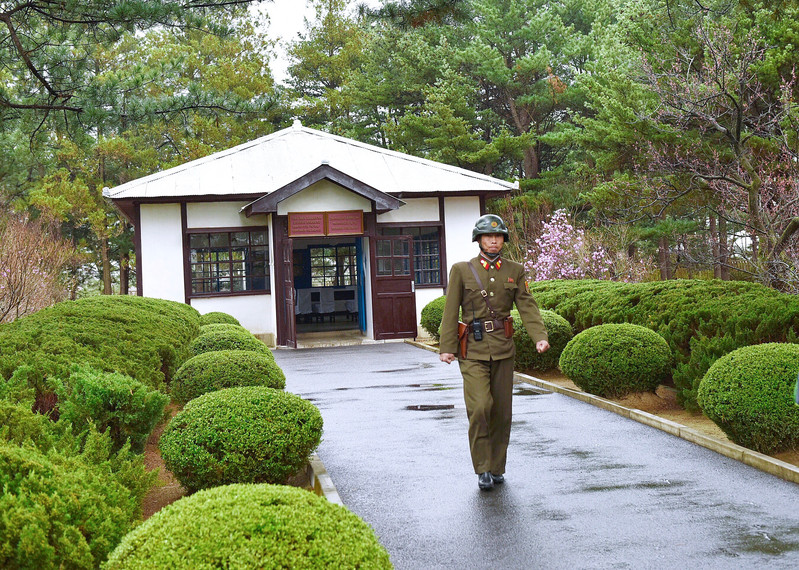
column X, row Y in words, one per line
column 268, row 203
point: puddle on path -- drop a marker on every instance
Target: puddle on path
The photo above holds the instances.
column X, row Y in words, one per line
column 430, row 407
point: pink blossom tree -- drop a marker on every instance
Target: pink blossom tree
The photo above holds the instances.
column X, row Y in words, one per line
column 563, row 251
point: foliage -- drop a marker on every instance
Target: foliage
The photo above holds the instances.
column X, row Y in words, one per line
column 144, row 338
column 614, row 360
column 211, row 371
column 213, row 327
column 217, row 317
column 111, row 401
column 241, row 435
column 322, row 59
column 67, row 509
column 700, row 320
column 528, row 359
column 33, row 258
column 257, row 526
column 748, row 393
column 432, row 313
column 227, row 340
column 51, row 63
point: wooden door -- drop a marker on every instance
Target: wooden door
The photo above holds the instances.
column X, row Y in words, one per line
column 394, row 297
column 284, row 281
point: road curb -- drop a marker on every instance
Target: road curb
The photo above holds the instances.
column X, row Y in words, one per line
column 754, row 459
column 321, row 482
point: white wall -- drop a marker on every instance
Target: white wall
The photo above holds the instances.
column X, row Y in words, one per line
column 414, row 210
column 220, row 215
column 460, row 214
column 162, row 252
column 254, row 312
column 323, row 196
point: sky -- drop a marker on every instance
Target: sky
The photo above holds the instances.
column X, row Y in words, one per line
column 286, row 21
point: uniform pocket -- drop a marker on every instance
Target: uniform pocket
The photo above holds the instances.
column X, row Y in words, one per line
column 511, row 286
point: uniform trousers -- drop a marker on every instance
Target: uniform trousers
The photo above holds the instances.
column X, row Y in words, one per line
column 488, row 393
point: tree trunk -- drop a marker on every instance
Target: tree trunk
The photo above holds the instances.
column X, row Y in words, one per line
column 106, row 266
column 663, row 259
column 714, row 239
column 124, row 273
column 724, row 255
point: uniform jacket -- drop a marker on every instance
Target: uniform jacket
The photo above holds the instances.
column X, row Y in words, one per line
column 506, row 286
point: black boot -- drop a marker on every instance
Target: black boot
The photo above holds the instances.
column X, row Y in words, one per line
column 485, row 481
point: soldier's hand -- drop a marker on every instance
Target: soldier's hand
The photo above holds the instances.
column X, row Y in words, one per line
column 447, row 357
column 542, row 346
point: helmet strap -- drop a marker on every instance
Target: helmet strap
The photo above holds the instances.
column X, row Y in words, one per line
column 489, row 256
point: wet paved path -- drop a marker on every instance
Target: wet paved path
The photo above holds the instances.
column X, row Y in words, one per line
column 585, row 487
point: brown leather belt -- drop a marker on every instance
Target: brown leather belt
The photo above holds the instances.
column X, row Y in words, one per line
column 490, row 326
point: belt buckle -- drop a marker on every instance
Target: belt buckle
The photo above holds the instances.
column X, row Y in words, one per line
column 486, row 325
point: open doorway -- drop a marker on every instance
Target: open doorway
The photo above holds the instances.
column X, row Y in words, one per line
column 329, row 285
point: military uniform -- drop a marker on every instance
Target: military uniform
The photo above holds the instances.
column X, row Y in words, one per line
column 487, row 369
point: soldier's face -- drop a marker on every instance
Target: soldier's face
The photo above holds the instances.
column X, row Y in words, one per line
column 492, row 243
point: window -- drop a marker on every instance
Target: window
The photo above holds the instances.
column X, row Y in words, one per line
column 333, row 266
column 229, row 262
column 426, row 251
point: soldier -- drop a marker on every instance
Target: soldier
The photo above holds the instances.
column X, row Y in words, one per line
column 485, row 290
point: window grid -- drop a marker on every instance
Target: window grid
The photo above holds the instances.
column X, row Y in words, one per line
column 426, row 251
column 333, row 266
column 229, row 262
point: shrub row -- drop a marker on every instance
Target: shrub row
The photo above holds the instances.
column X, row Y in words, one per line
column 614, row 360
column 227, row 339
column 211, row 371
column 749, row 394
column 700, row 320
column 146, row 339
column 253, row 526
column 66, row 501
column 241, row 435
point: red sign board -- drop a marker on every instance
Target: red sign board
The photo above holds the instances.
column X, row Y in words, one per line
column 312, row 224
column 307, row 224
column 344, row 223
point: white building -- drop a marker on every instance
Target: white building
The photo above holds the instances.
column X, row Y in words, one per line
column 302, row 230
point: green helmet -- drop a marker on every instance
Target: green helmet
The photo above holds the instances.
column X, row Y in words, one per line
column 489, row 224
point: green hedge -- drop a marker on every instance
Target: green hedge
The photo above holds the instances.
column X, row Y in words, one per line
column 67, row 511
column 218, row 317
column 241, row 435
column 146, row 339
column 749, row 394
column 211, row 371
column 251, row 527
column 614, row 360
column 227, row 340
column 700, row 320
column 431, row 316
column 528, row 359
column 221, row 327
column 114, row 402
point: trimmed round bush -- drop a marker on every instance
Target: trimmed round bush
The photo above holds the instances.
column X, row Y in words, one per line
column 241, row 435
column 617, row 359
column 251, row 527
column 227, row 340
column 211, row 371
column 218, row 317
column 749, row 394
column 432, row 313
column 527, row 358
column 213, row 327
